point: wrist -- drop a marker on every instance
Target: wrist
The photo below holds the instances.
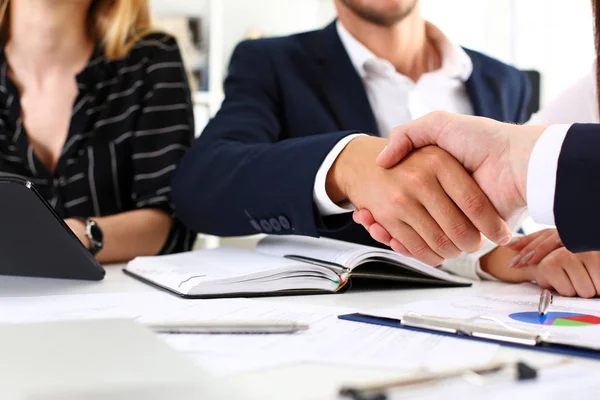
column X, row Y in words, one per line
column 343, row 172
column 523, row 141
column 78, row 226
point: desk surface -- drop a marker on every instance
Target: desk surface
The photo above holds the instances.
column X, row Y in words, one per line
column 285, row 382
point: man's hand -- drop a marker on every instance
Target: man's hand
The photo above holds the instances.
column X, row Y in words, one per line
column 428, row 203
column 495, row 153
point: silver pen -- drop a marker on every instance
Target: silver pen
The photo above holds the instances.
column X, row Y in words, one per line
column 545, row 301
column 228, row 327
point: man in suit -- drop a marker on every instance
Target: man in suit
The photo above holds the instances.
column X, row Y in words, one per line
column 285, row 154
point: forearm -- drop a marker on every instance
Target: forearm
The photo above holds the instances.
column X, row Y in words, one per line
column 131, row 234
column 496, row 264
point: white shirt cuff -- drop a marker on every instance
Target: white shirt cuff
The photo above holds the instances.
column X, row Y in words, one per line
column 468, row 265
column 541, row 174
column 321, row 198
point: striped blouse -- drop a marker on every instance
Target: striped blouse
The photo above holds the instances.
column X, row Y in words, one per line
column 131, row 123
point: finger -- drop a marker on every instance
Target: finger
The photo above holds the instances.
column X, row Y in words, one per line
column 399, row 248
column 560, row 281
column 380, row 234
column 444, row 211
column 363, row 217
column 537, row 250
column 519, row 243
column 581, row 280
column 427, row 228
column 591, row 261
column 474, row 204
column 414, row 243
column 413, row 135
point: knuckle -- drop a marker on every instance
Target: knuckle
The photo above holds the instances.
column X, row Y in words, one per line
column 475, row 205
column 419, row 251
column 416, row 178
column 444, row 244
column 460, row 230
column 398, row 199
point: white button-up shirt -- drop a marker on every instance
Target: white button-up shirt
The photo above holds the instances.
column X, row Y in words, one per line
column 396, row 99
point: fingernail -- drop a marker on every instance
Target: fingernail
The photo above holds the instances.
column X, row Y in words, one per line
column 514, row 261
column 505, row 240
column 527, row 257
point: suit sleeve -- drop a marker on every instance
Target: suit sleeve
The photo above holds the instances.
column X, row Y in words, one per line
column 523, row 99
column 243, row 176
column 577, row 195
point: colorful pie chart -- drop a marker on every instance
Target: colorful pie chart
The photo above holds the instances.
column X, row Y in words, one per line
column 556, row 319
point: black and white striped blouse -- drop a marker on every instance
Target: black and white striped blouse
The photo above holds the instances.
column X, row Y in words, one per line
column 131, row 124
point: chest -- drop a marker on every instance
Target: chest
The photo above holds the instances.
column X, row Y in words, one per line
column 46, row 113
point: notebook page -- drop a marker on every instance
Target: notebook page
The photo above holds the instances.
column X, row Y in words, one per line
column 335, row 251
column 185, row 270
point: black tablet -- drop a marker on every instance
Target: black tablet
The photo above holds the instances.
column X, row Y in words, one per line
column 34, row 241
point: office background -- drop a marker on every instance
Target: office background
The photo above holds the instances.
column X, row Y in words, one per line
column 553, row 37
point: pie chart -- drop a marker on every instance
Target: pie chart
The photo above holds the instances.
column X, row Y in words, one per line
column 556, row 319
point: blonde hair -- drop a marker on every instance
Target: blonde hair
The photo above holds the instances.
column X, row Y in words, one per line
column 116, row 24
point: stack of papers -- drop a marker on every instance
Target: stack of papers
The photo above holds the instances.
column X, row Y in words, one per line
column 328, row 341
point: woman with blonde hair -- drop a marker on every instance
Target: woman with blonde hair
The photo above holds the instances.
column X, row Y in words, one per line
column 96, row 111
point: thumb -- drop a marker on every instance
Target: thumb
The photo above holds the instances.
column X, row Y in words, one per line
column 413, row 135
column 398, row 147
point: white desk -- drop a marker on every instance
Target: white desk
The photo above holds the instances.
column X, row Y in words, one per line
column 291, row 382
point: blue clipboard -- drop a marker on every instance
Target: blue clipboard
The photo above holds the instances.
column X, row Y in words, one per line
column 561, row 349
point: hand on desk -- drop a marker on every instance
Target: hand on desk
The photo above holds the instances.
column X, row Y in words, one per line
column 542, row 258
column 431, row 206
column 494, row 153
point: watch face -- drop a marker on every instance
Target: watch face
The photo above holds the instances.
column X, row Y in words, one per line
column 96, row 233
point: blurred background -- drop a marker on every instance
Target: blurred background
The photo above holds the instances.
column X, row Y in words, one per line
column 553, row 37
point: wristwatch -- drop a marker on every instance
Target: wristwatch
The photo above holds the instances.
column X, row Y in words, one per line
column 94, row 234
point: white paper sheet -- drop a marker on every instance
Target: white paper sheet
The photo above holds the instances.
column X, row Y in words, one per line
column 328, row 341
column 333, row 341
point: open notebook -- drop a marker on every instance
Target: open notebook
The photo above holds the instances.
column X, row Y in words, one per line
column 282, row 265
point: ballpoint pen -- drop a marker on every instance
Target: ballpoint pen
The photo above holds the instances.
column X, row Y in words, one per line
column 545, row 301
column 228, row 327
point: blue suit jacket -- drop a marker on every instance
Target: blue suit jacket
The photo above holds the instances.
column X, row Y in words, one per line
column 288, row 101
column 577, row 195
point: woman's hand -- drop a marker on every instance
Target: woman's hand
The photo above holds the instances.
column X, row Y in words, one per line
column 78, row 228
column 568, row 273
column 534, row 248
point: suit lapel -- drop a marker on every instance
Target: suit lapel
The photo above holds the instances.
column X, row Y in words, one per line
column 341, row 85
column 484, row 93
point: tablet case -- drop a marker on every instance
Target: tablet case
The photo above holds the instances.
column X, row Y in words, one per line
column 35, row 241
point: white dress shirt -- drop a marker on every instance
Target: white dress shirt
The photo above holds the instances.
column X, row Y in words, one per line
column 395, row 99
column 576, row 104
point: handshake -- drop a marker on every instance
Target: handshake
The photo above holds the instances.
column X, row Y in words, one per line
column 437, row 184
column 440, row 182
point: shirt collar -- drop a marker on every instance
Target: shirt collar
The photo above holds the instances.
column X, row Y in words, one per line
column 456, row 63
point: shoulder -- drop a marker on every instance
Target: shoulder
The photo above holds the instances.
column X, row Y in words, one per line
column 155, row 46
column 495, row 68
column 277, row 47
